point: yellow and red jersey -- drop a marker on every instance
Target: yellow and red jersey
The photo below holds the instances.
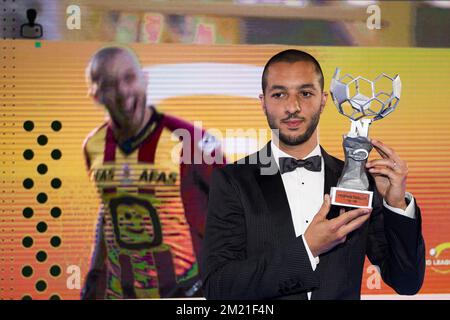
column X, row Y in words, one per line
column 154, row 204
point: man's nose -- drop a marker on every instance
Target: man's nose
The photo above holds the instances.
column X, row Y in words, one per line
column 122, row 87
column 293, row 104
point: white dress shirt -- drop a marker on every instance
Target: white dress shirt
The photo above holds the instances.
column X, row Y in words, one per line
column 305, row 190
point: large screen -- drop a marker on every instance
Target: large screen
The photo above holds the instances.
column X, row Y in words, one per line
column 49, row 205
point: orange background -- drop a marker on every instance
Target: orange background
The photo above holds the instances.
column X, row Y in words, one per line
column 46, row 83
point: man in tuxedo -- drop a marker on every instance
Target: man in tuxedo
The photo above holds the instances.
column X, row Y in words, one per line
column 273, row 234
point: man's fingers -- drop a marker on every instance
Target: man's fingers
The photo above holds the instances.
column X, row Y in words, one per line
column 349, row 216
column 384, row 151
column 383, row 171
column 383, row 154
column 381, row 147
column 383, row 162
column 352, row 225
column 325, row 208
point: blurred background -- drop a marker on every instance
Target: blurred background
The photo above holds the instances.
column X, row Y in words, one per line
column 286, row 22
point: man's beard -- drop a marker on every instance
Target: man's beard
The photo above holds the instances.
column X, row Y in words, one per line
column 295, row 140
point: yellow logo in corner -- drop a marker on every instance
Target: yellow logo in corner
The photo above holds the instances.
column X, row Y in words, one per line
column 440, row 258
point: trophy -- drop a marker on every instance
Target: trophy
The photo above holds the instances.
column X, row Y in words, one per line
column 362, row 101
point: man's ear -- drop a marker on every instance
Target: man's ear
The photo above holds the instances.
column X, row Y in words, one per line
column 323, row 101
column 92, row 87
column 91, row 90
column 263, row 103
column 88, row 81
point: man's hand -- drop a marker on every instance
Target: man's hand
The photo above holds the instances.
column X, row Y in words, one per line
column 390, row 175
column 322, row 234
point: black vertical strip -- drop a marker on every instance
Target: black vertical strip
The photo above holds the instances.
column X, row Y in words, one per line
column 127, row 277
column 166, row 274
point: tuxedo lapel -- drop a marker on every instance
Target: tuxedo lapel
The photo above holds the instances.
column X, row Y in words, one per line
column 274, row 194
column 332, row 173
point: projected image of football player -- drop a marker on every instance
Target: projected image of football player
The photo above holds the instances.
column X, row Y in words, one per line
column 153, row 208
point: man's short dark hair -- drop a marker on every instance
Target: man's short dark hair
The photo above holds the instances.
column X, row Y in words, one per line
column 291, row 56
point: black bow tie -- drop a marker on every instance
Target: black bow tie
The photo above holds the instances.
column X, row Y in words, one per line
column 288, row 164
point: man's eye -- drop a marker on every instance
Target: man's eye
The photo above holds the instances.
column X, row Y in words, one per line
column 277, row 95
column 306, row 94
column 129, row 78
column 107, row 84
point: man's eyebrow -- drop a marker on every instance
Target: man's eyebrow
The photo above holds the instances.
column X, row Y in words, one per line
column 277, row 87
column 130, row 69
column 303, row 86
column 307, row 86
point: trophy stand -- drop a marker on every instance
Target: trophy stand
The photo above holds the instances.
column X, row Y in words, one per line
column 361, row 102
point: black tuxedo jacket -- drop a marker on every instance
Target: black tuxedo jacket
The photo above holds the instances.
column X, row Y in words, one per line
column 250, row 250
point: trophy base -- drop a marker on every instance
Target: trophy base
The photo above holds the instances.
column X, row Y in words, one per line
column 351, row 197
